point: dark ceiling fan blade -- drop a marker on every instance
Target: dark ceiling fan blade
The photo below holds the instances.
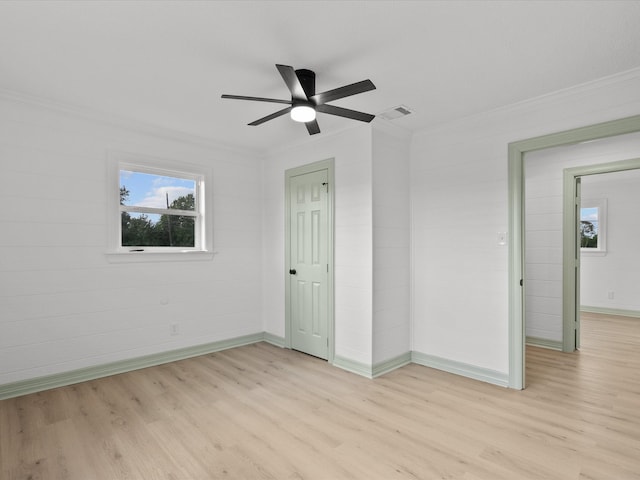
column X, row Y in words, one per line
column 313, row 127
column 257, row 99
column 279, row 113
column 293, row 83
column 345, row 112
column 341, row 92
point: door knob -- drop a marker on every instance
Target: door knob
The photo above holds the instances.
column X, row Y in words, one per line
column 292, row 271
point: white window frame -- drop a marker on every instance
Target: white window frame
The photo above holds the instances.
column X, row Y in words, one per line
column 601, row 205
column 202, row 250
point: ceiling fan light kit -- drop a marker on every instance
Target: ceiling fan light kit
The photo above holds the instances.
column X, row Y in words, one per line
column 303, row 113
column 305, row 102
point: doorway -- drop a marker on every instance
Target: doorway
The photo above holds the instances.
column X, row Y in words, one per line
column 309, row 259
column 517, row 287
column 572, row 196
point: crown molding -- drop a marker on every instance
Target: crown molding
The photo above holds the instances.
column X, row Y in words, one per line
column 535, row 102
column 122, row 122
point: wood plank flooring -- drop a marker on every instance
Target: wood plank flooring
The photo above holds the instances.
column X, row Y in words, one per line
column 261, row 412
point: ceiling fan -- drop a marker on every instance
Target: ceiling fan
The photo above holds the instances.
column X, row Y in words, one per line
column 305, row 102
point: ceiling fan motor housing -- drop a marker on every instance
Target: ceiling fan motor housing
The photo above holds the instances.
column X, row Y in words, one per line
column 308, row 81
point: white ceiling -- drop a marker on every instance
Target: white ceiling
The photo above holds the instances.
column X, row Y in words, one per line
column 166, row 63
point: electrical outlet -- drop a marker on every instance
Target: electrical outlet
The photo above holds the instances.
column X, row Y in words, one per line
column 173, row 329
column 610, row 295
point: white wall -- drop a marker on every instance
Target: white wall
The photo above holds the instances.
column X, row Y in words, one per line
column 543, row 225
column 353, row 272
column 62, row 305
column 391, row 243
column 371, row 239
column 619, row 270
column 459, row 194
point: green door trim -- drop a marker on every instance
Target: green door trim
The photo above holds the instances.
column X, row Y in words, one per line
column 569, row 246
column 516, row 151
column 329, row 166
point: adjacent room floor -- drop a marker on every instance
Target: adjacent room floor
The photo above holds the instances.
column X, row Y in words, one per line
column 261, row 412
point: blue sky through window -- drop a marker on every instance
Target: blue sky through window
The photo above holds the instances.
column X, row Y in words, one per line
column 150, row 190
column 590, row 214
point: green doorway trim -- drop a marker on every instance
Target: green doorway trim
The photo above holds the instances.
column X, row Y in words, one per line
column 517, row 150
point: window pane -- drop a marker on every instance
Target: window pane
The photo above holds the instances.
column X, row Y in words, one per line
column 156, row 191
column 589, row 221
column 144, row 230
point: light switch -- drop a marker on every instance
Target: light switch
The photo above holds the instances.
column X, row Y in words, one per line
column 502, row 238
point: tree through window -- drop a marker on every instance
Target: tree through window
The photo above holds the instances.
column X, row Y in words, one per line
column 589, row 227
column 592, row 223
column 157, row 210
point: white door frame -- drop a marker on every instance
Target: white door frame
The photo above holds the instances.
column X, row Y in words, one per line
column 570, row 287
column 329, row 166
column 517, row 150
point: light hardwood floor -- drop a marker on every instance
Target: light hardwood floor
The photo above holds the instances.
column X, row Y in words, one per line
column 260, row 412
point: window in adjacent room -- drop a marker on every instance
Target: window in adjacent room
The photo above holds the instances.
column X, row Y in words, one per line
column 592, row 226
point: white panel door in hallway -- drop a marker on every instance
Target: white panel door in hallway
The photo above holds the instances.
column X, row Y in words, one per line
column 308, row 262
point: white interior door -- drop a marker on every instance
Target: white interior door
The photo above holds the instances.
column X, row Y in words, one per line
column 308, row 262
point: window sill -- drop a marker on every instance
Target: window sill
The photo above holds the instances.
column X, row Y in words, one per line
column 151, row 257
column 593, row 253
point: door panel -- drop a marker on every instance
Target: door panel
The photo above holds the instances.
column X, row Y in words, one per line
column 308, row 259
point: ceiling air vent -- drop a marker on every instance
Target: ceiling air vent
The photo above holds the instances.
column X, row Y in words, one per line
column 396, row 112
